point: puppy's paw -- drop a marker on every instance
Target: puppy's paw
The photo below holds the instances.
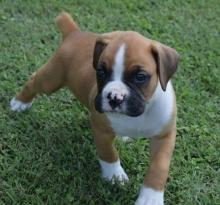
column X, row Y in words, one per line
column 113, row 172
column 17, row 105
column 149, row 196
column 126, row 139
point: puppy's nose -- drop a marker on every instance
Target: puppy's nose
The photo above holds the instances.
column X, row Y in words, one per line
column 115, row 100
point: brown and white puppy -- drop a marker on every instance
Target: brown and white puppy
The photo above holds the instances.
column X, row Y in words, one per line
column 123, row 78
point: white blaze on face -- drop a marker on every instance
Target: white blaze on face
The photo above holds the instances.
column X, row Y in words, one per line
column 116, row 88
column 118, row 66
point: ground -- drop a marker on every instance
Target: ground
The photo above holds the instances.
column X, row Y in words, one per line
column 47, row 155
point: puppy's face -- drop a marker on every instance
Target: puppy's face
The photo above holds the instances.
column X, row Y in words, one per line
column 127, row 69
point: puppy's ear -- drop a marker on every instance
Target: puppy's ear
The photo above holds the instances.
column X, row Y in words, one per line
column 99, row 48
column 167, row 59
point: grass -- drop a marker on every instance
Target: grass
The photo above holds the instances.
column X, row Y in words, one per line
column 47, row 155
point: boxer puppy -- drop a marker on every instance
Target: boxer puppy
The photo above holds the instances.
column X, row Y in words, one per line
column 123, row 79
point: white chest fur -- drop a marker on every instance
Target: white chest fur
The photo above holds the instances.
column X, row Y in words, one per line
column 157, row 114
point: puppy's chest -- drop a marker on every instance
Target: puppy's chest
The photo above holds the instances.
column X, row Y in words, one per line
column 146, row 125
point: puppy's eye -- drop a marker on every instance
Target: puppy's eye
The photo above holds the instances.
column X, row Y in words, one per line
column 141, row 77
column 101, row 72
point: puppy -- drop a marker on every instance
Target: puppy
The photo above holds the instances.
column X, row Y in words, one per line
column 123, row 79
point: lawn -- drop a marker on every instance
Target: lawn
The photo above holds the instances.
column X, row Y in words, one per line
column 47, row 155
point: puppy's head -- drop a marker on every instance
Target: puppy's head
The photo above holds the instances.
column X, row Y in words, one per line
column 128, row 67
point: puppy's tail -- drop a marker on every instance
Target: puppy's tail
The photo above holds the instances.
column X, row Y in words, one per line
column 66, row 24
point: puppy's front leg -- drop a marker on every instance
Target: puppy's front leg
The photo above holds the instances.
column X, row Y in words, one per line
column 161, row 149
column 108, row 156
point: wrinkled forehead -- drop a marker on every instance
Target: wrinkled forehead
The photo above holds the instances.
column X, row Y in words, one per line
column 129, row 52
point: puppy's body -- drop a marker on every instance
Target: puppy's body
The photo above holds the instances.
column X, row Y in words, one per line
column 128, row 93
column 79, row 72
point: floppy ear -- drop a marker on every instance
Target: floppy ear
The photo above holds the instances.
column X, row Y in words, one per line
column 99, row 47
column 167, row 59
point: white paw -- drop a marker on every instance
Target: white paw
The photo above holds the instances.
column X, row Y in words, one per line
column 149, row 196
column 126, row 139
column 113, row 171
column 17, row 105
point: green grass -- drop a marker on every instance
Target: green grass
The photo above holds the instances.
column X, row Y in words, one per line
column 47, row 155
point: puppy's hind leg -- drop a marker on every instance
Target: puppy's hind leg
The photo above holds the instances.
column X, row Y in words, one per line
column 47, row 79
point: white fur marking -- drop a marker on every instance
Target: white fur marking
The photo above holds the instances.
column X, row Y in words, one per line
column 116, row 87
column 158, row 112
column 126, row 139
column 118, row 66
column 149, row 196
column 113, row 171
column 17, row 105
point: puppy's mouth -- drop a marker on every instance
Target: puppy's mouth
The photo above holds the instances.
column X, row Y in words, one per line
column 131, row 106
column 106, row 105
